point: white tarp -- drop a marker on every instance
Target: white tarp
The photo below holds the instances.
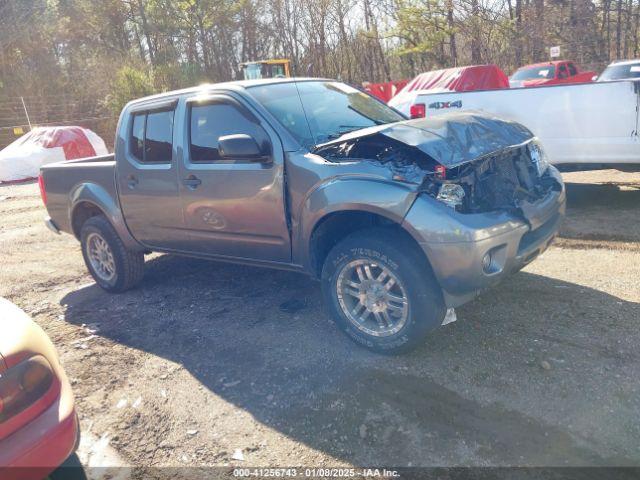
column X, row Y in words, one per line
column 23, row 158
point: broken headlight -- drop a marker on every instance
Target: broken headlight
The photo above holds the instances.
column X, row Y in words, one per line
column 451, row 194
column 538, row 156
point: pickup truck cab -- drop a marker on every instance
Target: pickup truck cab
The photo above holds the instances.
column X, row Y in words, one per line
column 558, row 72
column 400, row 219
column 620, row 70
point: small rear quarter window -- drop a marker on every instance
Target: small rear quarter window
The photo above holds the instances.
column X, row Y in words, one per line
column 137, row 137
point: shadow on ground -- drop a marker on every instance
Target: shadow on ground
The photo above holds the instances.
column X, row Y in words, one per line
column 14, row 183
column 606, row 212
column 235, row 330
column 611, row 195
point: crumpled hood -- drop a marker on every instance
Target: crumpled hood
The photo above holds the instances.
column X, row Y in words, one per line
column 451, row 139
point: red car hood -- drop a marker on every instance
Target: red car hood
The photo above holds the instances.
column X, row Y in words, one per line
column 536, row 82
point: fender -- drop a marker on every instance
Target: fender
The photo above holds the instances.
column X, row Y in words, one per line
column 99, row 196
column 362, row 193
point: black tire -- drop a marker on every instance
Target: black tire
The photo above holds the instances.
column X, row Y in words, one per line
column 402, row 257
column 128, row 264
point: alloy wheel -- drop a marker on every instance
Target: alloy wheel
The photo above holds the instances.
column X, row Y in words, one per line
column 101, row 257
column 373, row 299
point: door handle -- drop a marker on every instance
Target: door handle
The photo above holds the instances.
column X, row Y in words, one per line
column 191, row 182
column 132, row 181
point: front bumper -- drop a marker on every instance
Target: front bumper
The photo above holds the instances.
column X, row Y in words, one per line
column 456, row 244
column 43, row 444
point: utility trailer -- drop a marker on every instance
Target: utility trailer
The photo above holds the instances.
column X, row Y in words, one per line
column 582, row 127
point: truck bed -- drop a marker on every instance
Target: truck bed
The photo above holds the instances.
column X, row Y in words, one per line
column 594, row 123
column 62, row 179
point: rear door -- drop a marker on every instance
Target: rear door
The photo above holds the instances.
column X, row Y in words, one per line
column 147, row 176
column 232, row 208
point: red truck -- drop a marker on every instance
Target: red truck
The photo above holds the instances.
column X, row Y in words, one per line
column 384, row 91
column 558, row 72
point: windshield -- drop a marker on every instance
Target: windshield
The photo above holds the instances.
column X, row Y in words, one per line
column 316, row 112
column 620, row 72
column 253, row 71
column 534, row 73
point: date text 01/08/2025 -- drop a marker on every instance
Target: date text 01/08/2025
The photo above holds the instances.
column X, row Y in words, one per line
column 315, row 472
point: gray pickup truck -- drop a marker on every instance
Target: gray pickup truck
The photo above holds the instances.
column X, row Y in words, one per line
column 401, row 219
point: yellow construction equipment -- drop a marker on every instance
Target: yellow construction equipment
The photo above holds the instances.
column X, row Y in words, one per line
column 275, row 68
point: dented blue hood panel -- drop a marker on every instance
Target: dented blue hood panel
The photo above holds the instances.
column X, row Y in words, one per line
column 450, row 139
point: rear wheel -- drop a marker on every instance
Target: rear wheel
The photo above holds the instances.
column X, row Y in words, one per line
column 381, row 291
column 113, row 266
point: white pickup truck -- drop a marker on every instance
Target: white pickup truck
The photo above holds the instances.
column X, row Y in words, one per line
column 582, row 126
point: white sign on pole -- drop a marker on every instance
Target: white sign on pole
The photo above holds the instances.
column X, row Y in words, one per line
column 554, row 52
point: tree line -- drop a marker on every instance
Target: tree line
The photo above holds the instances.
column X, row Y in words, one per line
column 94, row 55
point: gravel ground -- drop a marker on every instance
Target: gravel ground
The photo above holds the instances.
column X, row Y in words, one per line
column 207, row 361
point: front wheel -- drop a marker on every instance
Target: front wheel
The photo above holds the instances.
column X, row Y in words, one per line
column 112, row 265
column 381, row 291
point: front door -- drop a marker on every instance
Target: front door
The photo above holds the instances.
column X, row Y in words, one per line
column 147, row 177
column 232, row 208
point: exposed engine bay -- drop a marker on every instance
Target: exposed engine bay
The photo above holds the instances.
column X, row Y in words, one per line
column 407, row 163
column 502, row 180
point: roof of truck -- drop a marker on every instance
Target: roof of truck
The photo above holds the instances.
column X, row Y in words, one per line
column 624, row 62
column 233, row 84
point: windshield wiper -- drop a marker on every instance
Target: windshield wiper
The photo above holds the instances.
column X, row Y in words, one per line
column 344, row 129
column 377, row 122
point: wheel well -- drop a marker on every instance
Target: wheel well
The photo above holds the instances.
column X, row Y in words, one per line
column 81, row 213
column 336, row 226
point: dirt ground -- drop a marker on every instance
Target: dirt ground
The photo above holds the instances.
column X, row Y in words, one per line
column 206, row 361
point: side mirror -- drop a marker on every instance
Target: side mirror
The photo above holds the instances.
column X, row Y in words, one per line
column 239, row 146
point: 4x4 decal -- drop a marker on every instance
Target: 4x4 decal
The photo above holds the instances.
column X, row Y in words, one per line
column 439, row 105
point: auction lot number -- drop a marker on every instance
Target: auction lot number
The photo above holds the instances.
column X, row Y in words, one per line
column 314, row 472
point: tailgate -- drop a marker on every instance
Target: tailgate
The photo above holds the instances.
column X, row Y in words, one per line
column 61, row 181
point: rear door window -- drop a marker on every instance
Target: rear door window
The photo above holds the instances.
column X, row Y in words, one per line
column 152, row 136
column 158, row 139
column 572, row 69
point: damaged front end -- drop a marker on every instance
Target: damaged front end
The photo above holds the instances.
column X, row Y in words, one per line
column 406, row 163
column 509, row 180
column 469, row 162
